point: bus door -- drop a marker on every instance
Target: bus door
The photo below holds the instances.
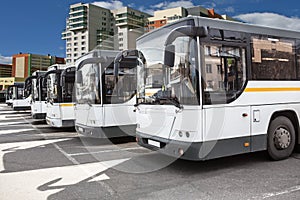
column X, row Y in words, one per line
column 226, row 119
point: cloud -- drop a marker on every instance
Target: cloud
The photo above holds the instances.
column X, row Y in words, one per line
column 167, row 5
column 173, row 4
column 5, row 60
column 209, row 5
column 271, row 20
column 111, row 5
column 229, row 9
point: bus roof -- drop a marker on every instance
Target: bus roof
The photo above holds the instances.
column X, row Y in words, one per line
column 226, row 25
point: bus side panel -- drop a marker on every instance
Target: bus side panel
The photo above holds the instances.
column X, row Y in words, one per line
column 226, row 132
column 261, row 118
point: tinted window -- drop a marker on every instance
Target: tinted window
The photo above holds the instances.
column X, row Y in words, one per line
column 273, row 58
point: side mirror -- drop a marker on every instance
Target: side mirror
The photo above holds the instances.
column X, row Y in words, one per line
column 79, row 77
column 169, row 58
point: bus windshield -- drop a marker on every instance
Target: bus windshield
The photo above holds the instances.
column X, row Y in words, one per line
column 174, row 81
column 87, row 87
column 52, row 87
column 115, row 89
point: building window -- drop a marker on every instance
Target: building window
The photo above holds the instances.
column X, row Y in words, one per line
column 75, row 44
column 75, row 38
column 75, row 54
column 120, row 39
column 208, row 69
column 82, row 48
column 83, row 37
column 75, row 49
column 207, row 50
column 82, row 43
column 121, row 33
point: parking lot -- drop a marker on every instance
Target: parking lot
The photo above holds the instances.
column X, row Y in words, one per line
column 40, row 162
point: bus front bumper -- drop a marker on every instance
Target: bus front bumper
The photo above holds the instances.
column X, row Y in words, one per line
column 106, row 132
column 173, row 148
column 60, row 123
column 39, row 115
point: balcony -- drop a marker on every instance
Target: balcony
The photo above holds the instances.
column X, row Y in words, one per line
column 77, row 10
column 78, row 26
column 77, row 15
column 65, row 35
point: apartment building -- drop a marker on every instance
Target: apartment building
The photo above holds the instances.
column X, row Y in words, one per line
column 163, row 17
column 89, row 26
column 23, row 65
column 5, row 70
column 130, row 24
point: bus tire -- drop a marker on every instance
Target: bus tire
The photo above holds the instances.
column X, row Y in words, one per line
column 281, row 138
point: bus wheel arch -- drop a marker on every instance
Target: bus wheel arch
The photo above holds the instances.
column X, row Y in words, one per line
column 282, row 134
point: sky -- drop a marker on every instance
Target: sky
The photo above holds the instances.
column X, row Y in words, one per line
column 35, row 26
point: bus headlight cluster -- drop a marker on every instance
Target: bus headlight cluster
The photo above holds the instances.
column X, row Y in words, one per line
column 184, row 133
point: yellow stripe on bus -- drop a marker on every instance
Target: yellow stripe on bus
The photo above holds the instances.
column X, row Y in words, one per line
column 67, row 105
column 272, row 89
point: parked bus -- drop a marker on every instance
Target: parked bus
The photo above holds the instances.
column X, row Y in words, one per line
column 212, row 88
column 105, row 93
column 33, row 85
column 9, row 95
column 60, row 106
column 20, row 99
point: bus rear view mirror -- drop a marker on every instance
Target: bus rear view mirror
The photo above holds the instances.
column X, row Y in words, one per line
column 79, row 77
column 169, row 55
column 190, row 31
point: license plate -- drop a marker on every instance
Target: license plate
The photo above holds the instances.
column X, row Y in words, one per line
column 154, row 143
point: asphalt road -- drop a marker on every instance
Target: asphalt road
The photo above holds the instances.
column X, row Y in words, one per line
column 40, row 162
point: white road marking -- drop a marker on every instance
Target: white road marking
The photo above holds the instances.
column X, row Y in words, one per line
column 14, row 146
column 39, row 184
column 105, row 151
column 286, row 191
column 12, row 123
column 73, row 160
column 15, row 131
column 14, row 117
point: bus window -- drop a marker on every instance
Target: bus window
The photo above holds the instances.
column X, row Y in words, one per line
column 224, row 73
column 273, row 58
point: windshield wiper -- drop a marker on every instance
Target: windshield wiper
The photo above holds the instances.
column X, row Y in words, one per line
column 144, row 101
column 173, row 101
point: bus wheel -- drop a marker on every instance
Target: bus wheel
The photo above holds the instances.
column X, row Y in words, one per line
column 281, row 138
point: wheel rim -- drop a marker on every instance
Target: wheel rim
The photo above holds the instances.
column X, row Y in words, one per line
column 282, row 138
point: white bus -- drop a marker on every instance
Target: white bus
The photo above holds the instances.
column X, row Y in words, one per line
column 60, row 106
column 33, row 85
column 106, row 93
column 9, row 95
column 20, row 98
column 213, row 88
